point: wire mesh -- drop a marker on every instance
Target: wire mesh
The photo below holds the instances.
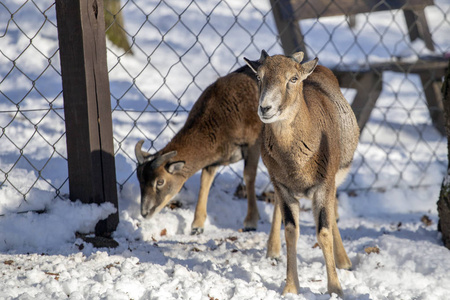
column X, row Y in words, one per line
column 186, row 46
column 31, row 115
column 179, row 48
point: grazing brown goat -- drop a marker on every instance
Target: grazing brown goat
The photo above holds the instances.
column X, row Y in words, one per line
column 308, row 141
column 222, row 128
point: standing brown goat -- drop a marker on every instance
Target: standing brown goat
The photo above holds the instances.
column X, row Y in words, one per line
column 222, row 128
column 308, row 141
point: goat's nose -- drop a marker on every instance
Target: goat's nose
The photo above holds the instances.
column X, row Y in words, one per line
column 265, row 109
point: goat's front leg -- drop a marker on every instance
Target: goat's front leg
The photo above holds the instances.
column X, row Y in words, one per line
column 274, row 243
column 287, row 207
column 290, row 211
column 206, row 180
column 250, row 169
column 326, row 226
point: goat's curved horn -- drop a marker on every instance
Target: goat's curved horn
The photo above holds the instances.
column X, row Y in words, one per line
column 298, row 56
column 141, row 156
column 254, row 65
column 163, row 158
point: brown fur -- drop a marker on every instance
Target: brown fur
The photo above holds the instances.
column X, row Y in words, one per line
column 221, row 129
column 308, row 141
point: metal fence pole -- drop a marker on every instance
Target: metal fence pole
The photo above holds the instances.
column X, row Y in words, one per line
column 87, row 106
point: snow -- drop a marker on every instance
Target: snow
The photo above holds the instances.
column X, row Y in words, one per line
column 42, row 257
column 158, row 259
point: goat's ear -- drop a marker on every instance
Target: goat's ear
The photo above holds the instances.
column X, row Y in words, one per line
column 263, row 56
column 175, row 167
column 298, row 56
column 309, row 66
column 254, row 65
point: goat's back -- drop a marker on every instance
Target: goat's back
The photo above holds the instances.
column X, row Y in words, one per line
column 225, row 113
column 323, row 81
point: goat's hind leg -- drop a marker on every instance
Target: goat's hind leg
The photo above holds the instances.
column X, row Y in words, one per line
column 340, row 255
column 206, row 180
column 326, row 227
column 250, row 169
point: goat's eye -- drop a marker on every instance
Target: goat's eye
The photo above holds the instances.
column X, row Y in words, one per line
column 160, row 182
column 294, row 79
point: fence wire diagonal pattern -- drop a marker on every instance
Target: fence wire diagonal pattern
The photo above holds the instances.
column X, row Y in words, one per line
column 33, row 147
column 178, row 49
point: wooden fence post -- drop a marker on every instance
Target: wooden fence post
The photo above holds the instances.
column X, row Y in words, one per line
column 443, row 204
column 292, row 39
column 87, row 106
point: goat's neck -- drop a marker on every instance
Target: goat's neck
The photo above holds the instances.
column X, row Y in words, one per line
column 296, row 126
column 195, row 155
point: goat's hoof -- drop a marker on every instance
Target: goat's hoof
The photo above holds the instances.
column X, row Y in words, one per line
column 275, row 255
column 340, row 294
column 273, row 252
column 275, row 260
column 247, row 229
column 291, row 289
column 343, row 262
column 336, row 290
column 345, row 266
column 197, row 231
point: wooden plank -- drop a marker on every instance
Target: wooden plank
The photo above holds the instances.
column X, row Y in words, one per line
column 432, row 88
column 309, row 9
column 368, row 86
column 417, row 24
column 87, row 106
column 288, row 30
column 437, row 65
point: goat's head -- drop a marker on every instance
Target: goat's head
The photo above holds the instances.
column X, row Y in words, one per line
column 159, row 177
column 280, row 81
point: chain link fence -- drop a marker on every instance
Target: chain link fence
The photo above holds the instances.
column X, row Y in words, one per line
column 33, row 148
column 178, row 49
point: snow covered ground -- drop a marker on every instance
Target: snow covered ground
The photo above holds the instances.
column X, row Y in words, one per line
column 158, row 259
column 390, row 234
